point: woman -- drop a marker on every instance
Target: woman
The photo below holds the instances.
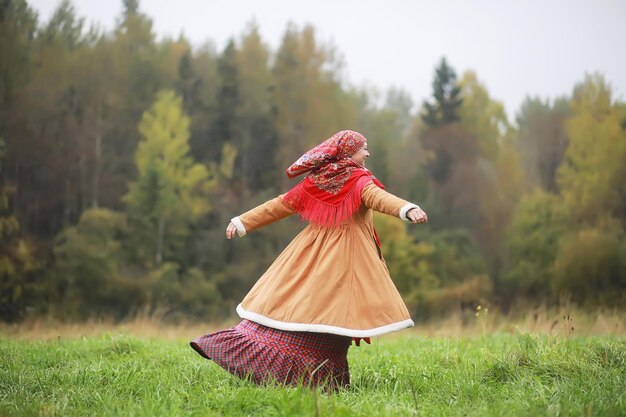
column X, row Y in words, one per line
column 329, row 286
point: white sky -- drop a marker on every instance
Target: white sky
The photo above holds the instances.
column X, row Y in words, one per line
column 517, row 48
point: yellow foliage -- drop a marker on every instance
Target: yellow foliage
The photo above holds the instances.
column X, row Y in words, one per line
column 227, row 165
column 592, row 175
column 482, row 116
column 590, row 264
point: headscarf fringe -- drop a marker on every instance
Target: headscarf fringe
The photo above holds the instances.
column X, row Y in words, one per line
column 321, row 213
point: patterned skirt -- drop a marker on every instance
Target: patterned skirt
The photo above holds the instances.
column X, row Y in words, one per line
column 263, row 354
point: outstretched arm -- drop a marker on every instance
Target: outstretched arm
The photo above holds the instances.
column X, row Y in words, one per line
column 380, row 200
column 268, row 212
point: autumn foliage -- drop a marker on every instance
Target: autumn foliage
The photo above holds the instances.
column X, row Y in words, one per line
column 123, row 158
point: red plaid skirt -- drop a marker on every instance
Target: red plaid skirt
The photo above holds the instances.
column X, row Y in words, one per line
column 250, row 350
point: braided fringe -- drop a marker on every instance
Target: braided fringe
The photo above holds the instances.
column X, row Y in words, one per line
column 318, row 212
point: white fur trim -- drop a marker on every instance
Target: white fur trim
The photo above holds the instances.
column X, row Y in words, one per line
column 405, row 209
column 241, row 229
column 321, row 328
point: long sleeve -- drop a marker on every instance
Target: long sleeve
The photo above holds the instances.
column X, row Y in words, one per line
column 262, row 215
column 380, row 200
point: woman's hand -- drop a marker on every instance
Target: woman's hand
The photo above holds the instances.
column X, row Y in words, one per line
column 231, row 230
column 417, row 215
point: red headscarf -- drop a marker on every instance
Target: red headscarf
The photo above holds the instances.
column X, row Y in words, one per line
column 331, row 192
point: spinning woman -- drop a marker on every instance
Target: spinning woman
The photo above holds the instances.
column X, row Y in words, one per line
column 329, row 286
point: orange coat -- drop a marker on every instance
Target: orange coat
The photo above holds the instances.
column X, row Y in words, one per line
column 328, row 279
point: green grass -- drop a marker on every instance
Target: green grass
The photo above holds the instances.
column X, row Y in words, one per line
column 501, row 374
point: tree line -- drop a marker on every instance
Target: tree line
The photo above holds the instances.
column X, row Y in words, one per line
column 123, row 157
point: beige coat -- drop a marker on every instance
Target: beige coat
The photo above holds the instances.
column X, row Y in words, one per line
column 329, row 279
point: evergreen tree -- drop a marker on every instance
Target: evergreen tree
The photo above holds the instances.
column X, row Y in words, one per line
column 447, row 99
column 197, row 81
column 257, row 149
column 131, row 7
column 135, row 73
column 44, row 118
column 17, row 262
column 167, row 197
column 17, row 29
column 226, row 127
column 66, row 25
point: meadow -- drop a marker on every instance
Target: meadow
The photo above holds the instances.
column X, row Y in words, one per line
column 144, row 368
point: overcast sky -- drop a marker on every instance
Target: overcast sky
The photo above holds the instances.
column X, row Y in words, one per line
column 517, row 48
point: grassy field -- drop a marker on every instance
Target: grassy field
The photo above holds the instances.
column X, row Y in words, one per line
column 500, row 374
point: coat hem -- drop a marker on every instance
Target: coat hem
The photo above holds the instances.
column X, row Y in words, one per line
column 322, row 328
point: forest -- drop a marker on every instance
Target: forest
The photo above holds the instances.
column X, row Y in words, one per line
column 123, row 157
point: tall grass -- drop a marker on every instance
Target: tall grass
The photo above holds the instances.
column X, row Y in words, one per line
column 556, row 362
column 493, row 375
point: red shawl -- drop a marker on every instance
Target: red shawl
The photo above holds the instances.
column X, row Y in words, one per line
column 331, row 192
